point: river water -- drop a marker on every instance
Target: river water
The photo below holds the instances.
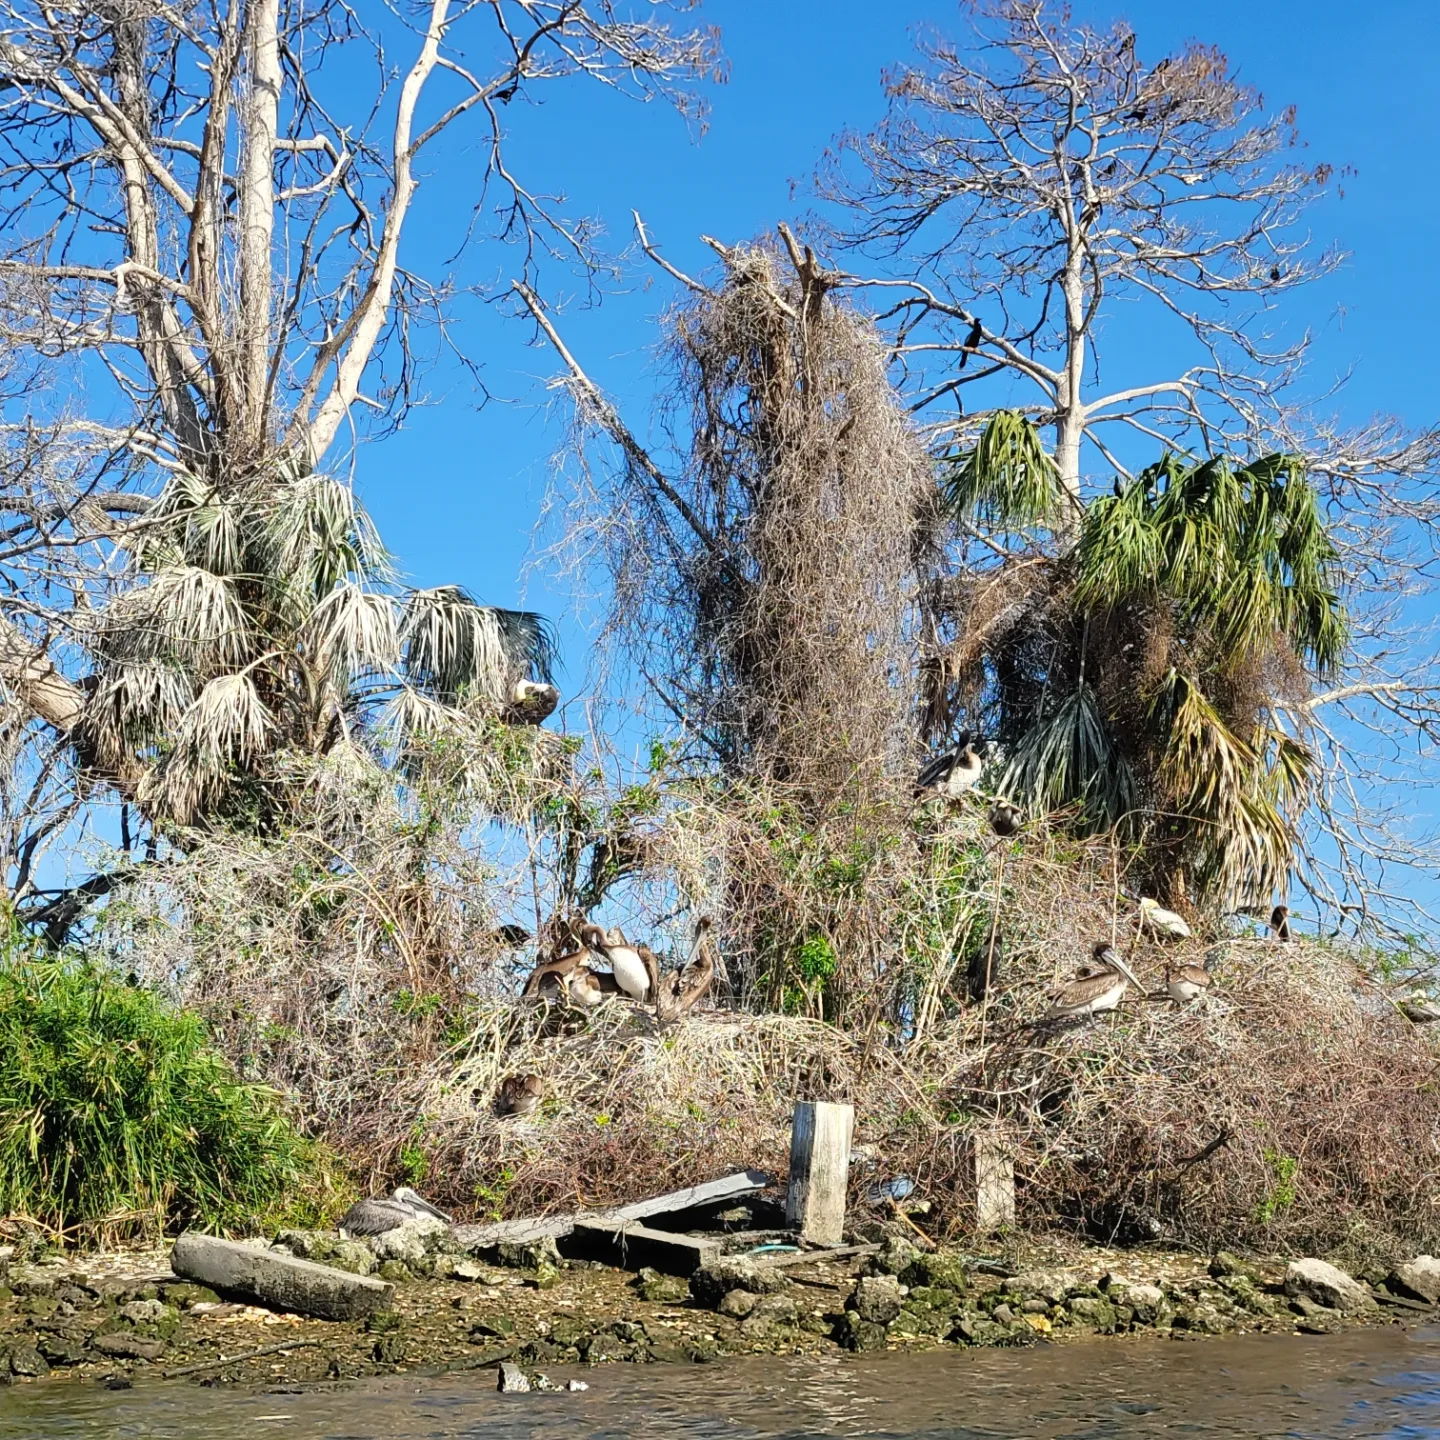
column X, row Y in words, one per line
column 1365, row 1383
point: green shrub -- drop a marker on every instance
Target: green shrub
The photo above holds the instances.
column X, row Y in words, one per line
column 117, row 1116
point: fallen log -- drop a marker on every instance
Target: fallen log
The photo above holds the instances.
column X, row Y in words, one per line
column 276, row 1280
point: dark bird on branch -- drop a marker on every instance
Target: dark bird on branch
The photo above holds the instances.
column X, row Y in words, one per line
column 1280, row 923
column 972, row 341
column 1274, row 274
column 984, row 966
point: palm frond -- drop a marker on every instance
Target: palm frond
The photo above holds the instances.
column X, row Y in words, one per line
column 352, row 631
column 454, row 647
column 1008, row 481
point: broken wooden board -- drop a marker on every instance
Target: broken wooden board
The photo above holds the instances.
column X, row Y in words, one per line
column 807, row 1257
column 730, row 1187
column 476, row 1238
column 633, row 1246
column 277, row 1280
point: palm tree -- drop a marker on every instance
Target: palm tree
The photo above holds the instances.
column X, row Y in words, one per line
column 1147, row 677
column 264, row 624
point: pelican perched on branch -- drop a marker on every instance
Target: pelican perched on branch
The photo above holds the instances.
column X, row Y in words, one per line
column 531, row 701
column 518, row 1094
column 1280, row 923
column 1098, row 987
column 379, row 1213
column 954, row 772
column 1165, row 924
column 680, row 989
column 634, row 967
column 559, row 975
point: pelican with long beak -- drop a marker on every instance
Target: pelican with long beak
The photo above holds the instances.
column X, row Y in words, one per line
column 559, row 976
column 1097, row 988
column 954, row 772
column 680, row 989
column 379, row 1213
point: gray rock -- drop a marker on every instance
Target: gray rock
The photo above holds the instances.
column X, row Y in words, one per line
column 1418, row 1279
column 661, row 1289
column 26, row 1360
column 527, row 1254
column 1225, row 1263
column 737, row 1304
column 1327, row 1285
column 877, row 1298
column 771, row 1313
column 1146, row 1302
column 710, row 1283
column 512, row 1380
column 464, row 1270
column 856, row 1334
column 1048, row 1285
column 412, row 1242
column 894, row 1257
column 276, row 1280
column 125, row 1346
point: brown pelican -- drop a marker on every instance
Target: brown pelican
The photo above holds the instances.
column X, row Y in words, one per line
column 984, row 965
column 590, row 987
column 1184, row 983
column 1005, row 818
column 1419, row 1009
column 680, row 989
column 1165, row 924
column 531, row 702
column 635, row 968
column 954, row 772
column 1280, row 923
column 379, row 1213
column 518, row 1094
column 559, row 974
column 1096, row 988
column 509, row 937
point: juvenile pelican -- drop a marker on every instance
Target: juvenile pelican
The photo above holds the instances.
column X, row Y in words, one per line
column 1093, row 990
column 531, row 701
column 1005, row 818
column 1184, row 983
column 680, row 989
column 590, row 987
column 559, row 975
column 954, row 772
column 379, row 1213
column 1165, row 924
column 634, row 966
column 518, row 1094
column 1280, row 923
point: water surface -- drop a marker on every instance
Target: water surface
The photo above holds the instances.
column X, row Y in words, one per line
column 1361, row 1384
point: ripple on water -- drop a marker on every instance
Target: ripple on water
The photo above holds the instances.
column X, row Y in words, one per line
column 1375, row 1383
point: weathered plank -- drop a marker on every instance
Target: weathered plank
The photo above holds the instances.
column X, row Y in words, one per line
column 809, row 1257
column 276, row 1280
column 633, row 1246
column 475, row 1238
column 819, row 1170
column 729, row 1187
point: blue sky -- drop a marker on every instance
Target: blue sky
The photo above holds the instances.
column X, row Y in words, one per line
column 456, row 494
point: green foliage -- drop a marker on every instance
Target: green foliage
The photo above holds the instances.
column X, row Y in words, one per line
column 116, row 1113
column 1282, row 1190
column 1241, row 550
column 1008, row 481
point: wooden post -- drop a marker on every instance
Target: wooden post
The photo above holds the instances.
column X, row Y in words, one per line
column 992, row 1172
column 819, row 1170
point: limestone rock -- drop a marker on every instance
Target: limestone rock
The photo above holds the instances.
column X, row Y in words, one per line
column 856, row 1334
column 938, row 1268
column 1327, row 1285
column 26, row 1360
column 661, row 1289
column 127, row 1346
column 1418, row 1279
column 894, row 1257
column 771, row 1314
column 713, row 1281
column 527, row 1254
column 411, row 1243
column 1049, row 1285
column 877, row 1298
column 512, row 1380
column 1098, row 1315
column 1225, row 1264
column 737, row 1304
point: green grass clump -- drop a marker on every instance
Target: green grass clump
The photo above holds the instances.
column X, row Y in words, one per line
column 118, row 1119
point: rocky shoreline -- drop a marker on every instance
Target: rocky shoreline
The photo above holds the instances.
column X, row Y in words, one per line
column 124, row 1318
